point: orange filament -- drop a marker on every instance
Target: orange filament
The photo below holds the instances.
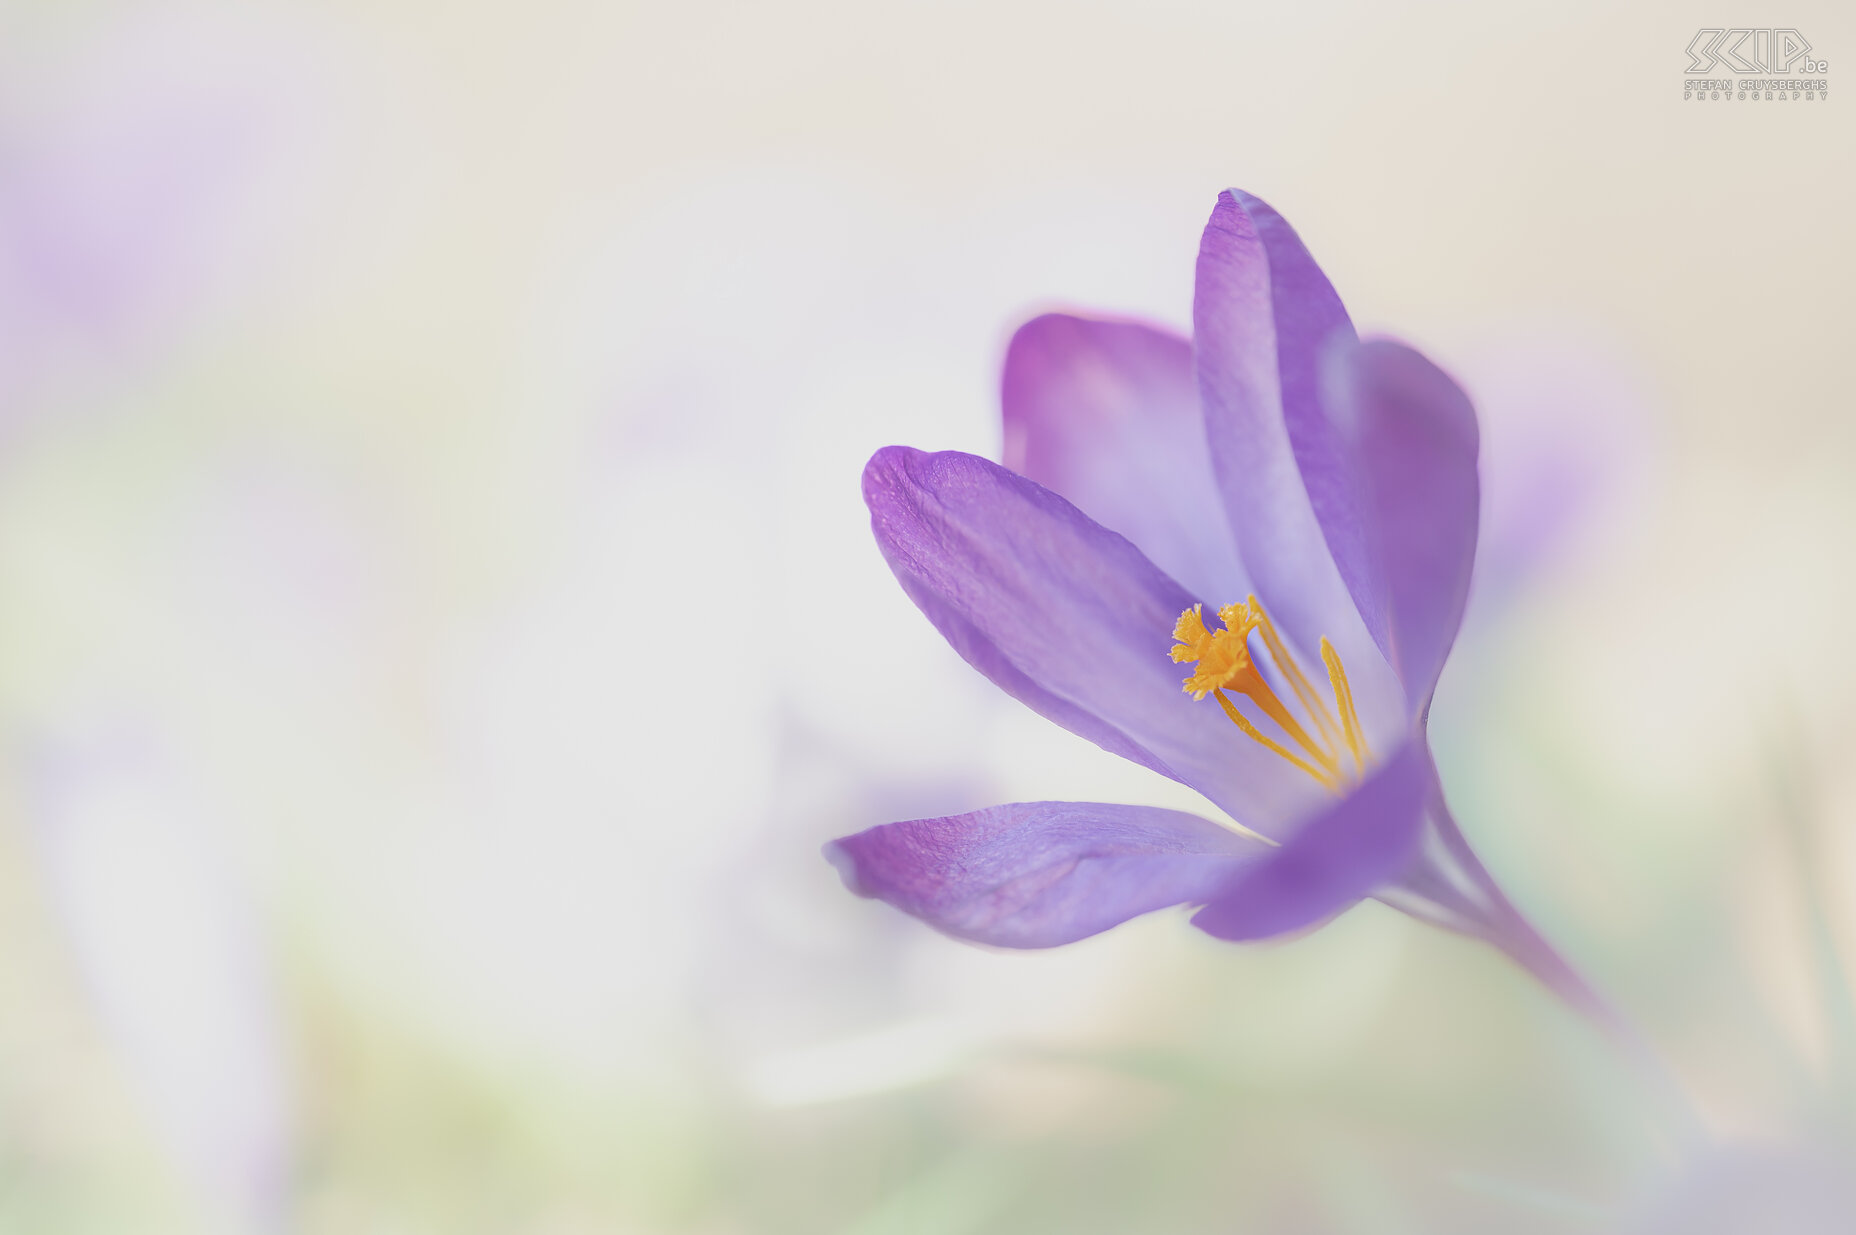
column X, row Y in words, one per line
column 1298, row 681
column 1343, row 696
column 1223, row 662
column 1243, row 722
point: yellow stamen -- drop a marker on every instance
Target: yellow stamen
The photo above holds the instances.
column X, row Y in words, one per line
column 1265, row 698
column 1243, row 722
column 1298, row 681
column 1222, row 662
column 1222, row 655
column 1343, row 696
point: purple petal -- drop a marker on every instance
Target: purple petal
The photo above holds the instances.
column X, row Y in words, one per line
column 1107, row 414
column 1360, row 844
column 1067, row 617
column 1413, row 436
column 1263, row 315
column 1039, row 874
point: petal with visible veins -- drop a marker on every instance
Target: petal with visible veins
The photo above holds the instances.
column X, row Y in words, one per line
column 1263, row 314
column 1069, row 618
column 1039, row 874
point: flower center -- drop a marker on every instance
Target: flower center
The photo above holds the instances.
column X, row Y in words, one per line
column 1223, row 663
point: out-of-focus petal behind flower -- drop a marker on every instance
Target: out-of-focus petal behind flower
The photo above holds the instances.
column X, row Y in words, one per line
column 1755, row 1190
column 146, row 164
column 1107, row 414
column 172, row 950
column 1568, row 453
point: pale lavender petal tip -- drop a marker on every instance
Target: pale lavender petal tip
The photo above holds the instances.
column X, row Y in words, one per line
column 1039, row 874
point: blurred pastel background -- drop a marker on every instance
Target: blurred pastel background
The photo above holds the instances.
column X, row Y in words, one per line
column 438, row 623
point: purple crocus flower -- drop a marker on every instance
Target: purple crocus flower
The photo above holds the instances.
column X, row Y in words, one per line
column 1275, row 515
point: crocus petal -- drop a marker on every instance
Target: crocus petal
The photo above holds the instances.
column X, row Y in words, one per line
column 1107, row 414
column 1067, row 617
column 1039, row 874
column 1262, row 315
column 1364, row 841
column 1412, row 434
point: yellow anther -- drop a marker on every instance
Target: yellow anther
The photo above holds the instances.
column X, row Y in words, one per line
column 1223, row 655
column 1223, row 662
